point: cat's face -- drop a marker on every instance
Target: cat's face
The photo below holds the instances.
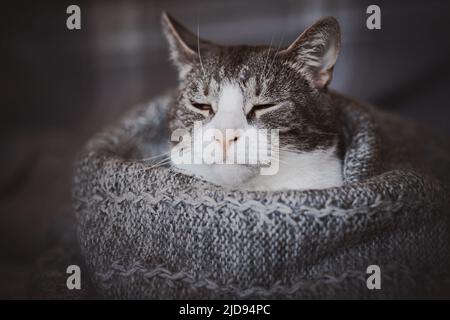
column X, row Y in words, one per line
column 237, row 89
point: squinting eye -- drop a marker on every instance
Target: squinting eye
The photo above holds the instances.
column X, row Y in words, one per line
column 259, row 107
column 263, row 106
column 202, row 106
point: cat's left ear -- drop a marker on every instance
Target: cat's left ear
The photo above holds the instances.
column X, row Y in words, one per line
column 184, row 46
column 315, row 51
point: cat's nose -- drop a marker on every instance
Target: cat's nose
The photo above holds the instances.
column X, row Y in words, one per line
column 227, row 141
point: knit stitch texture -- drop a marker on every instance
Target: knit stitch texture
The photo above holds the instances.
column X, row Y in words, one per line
column 155, row 233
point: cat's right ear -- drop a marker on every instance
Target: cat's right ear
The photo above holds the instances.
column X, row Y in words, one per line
column 184, row 46
column 315, row 51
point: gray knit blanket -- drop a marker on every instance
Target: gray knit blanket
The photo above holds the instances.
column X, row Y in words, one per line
column 154, row 233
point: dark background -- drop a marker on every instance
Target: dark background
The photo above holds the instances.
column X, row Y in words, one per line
column 59, row 86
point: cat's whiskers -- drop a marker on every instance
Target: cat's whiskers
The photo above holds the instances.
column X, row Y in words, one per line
column 156, row 156
column 160, row 160
column 266, row 59
column 275, row 56
column 159, row 164
column 284, row 150
column 198, row 50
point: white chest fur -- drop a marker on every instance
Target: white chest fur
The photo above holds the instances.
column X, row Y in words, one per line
column 317, row 169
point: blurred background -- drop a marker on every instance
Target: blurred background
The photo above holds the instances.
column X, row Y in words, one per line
column 59, row 86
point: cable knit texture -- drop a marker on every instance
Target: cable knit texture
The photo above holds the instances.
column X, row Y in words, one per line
column 154, row 233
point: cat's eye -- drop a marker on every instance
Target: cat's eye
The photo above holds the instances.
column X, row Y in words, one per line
column 202, row 106
column 259, row 109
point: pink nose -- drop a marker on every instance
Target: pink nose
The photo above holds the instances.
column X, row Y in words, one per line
column 226, row 141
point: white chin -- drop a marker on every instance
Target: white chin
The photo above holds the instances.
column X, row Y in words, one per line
column 231, row 175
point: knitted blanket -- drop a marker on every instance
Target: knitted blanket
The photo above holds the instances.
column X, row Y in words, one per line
column 155, row 233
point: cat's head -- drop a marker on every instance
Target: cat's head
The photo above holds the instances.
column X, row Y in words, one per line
column 255, row 87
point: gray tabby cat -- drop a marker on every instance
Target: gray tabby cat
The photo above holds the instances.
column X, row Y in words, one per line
column 261, row 87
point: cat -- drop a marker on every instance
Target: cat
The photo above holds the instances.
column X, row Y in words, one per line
column 243, row 87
